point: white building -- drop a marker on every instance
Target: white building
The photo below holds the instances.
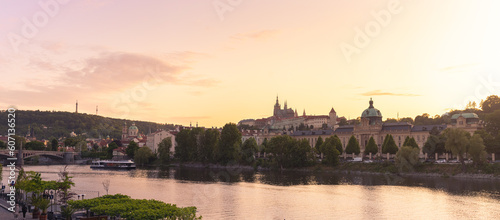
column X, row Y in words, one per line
column 155, row 138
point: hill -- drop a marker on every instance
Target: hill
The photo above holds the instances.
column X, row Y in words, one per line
column 49, row 124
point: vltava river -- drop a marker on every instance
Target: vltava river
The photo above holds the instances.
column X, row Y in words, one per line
column 234, row 194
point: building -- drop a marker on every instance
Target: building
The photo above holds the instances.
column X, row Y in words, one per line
column 154, row 139
column 132, row 134
column 288, row 119
column 372, row 126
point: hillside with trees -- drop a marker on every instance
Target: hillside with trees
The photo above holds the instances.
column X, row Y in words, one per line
column 50, row 124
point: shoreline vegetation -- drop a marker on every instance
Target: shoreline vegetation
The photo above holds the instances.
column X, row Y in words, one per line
column 485, row 171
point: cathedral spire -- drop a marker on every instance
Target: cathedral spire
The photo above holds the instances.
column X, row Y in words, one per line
column 285, row 105
column 304, row 114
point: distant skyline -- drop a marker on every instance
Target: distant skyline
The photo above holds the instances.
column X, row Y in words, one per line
column 220, row 61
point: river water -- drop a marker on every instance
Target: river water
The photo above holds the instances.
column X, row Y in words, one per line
column 237, row 194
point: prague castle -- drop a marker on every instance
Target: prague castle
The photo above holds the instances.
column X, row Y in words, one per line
column 371, row 125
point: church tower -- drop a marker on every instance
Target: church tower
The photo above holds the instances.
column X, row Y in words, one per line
column 124, row 131
column 277, row 107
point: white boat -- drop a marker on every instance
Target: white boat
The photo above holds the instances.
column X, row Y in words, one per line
column 113, row 164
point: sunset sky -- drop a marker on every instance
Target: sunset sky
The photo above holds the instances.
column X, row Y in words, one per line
column 213, row 62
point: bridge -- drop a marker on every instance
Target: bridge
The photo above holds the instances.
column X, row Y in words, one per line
column 67, row 157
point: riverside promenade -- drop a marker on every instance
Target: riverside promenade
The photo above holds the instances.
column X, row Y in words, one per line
column 6, row 214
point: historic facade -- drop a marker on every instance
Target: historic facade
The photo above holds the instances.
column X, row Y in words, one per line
column 372, row 126
column 155, row 138
column 288, row 119
column 132, row 134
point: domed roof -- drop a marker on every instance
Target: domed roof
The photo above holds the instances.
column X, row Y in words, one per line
column 133, row 127
column 371, row 111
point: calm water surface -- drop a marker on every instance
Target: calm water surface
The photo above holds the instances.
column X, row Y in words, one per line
column 234, row 194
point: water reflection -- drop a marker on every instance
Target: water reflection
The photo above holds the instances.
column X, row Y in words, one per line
column 291, row 178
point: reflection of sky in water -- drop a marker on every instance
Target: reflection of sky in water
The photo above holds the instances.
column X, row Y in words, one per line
column 296, row 195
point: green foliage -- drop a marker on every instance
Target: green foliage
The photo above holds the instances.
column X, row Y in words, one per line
column 248, row 150
column 389, row 145
column 54, row 145
column 352, row 146
column 164, row 150
column 331, row 154
column 491, row 104
column 111, row 147
column 476, row 149
column 457, row 142
column 209, row 146
column 48, row 124
column 131, row 149
column 182, row 148
column 435, row 144
column 410, row 141
column 288, row 152
column 338, row 144
column 123, row 206
column 144, row 156
column 35, row 145
column 317, row 147
column 371, row 147
column 407, row 158
column 230, row 142
column 3, row 145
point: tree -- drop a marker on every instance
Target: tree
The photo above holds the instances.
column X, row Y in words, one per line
column 279, row 148
column 210, row 142
column 35, row 145
column 301, row 154
column 338, row 144
column 106, row 184
column 330, row 152
column 410, row 141
column 143, row 156
column 248, row 150
column 407, row 158
column 352, row 146
column 371, row 147
column 230, row 142
column 54, row 144
column 491, row 104
column 476, row 149
column 457, row 142
column 318, row 145
column 109, row 150
column 164, row 150
column 3, row 145
column 131, row 149
column 182, row 149
column 343, row 121
column 389, row 145
column 490, row 143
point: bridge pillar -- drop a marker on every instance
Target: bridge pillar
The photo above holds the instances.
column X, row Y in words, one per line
column 69, row 157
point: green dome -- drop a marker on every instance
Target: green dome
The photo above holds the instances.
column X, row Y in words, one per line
column 371, row 111
column 133, row 127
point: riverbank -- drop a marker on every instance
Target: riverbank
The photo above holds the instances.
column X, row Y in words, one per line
column 486, row 171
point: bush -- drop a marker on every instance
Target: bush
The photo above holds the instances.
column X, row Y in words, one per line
column 407, row 158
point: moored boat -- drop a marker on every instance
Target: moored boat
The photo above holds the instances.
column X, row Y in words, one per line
column 113, row 164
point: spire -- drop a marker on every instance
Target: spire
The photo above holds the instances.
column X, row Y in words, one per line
column 371, row 103
column 277, row 101
column 96, row 109
column 76, row 106
column 296, row 115
column 304, row 114
column 285, row 105
column 332, row 111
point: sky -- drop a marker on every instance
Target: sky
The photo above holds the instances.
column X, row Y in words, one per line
column 217, row 61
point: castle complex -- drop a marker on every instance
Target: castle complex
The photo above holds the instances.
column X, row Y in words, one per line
column 371, row 125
